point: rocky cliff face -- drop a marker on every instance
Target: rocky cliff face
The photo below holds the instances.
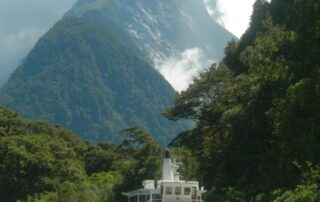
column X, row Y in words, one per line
column 159, row 29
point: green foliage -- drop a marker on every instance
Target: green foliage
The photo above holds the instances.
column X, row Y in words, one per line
column 7, row 122
column 146, row 161
column 41, row 162
column 257, row 113
column 79, row 76
column 256, row 136
column 188, row 163
column 307, row 191
column 302, row 193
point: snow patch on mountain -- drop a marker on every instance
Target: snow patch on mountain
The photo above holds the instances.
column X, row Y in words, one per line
column 180, row 37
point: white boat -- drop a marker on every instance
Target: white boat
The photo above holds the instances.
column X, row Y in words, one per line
column 169, row 189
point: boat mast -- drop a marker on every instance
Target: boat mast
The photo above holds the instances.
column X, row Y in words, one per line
column 170, row 168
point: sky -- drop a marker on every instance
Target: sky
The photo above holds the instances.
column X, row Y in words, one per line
column 234, row 14
column 181, row 69
column 22, row 22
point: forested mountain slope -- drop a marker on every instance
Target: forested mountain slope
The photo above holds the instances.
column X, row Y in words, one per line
column 79, row 76
column 94, row 72
column 257, row 136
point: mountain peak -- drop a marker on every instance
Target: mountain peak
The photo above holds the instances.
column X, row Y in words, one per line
column 79, row 76
column 162, row 32
column 95, row 71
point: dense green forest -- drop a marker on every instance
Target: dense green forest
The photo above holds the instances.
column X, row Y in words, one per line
column 257, row 113
column 43, row 162
column 256, row 137
column 79, row 76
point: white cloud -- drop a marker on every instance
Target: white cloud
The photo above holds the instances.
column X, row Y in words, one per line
column 234, row 15
column 23, row 22
column 21, row 25
column 213, row 10
column 14, row 48
column 179, row 70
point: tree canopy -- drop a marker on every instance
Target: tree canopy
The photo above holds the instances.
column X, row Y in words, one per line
column 43, row 162
column 257, row 112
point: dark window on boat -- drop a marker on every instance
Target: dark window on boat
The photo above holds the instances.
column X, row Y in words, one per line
column 133, row 199
column 156, row 196
column 143, row 198
column 187, row 191
column 168, row 190
column 194, row 191
column 177, row 190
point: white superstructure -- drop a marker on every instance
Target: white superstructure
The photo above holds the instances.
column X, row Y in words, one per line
column 169, row 189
